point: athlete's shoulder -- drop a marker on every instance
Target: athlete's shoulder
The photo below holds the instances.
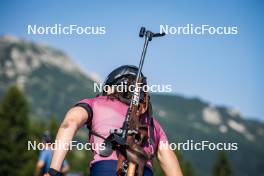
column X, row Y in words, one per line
column 90, row 101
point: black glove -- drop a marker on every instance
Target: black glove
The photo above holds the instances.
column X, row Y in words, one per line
column 53, row 172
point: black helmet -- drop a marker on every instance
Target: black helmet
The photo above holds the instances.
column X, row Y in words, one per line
column 122, row 72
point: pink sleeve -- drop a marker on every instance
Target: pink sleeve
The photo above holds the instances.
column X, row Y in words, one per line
column 160, row 135
column 88, row 101
column 87, row 104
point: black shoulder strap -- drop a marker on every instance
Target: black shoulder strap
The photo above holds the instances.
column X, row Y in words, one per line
column 151, row 133
column 91, row 132
column 151, row 128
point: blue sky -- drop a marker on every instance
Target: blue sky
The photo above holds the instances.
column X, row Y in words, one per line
column 224, row 70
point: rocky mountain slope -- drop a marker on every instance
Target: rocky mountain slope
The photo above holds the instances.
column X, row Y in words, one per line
column 52, row 83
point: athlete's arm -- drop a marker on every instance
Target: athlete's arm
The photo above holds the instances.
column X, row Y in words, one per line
column 39, row 166
column 168, row 161
column 75, row 118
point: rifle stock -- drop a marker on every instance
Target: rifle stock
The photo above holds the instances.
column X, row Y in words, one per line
column 131, row 171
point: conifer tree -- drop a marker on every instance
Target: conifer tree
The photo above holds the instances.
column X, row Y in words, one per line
column 222, row 166
column 186, row 166
column 15, row 159
column 53, row 127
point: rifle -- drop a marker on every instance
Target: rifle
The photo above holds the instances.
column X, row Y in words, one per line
column 129, row 138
